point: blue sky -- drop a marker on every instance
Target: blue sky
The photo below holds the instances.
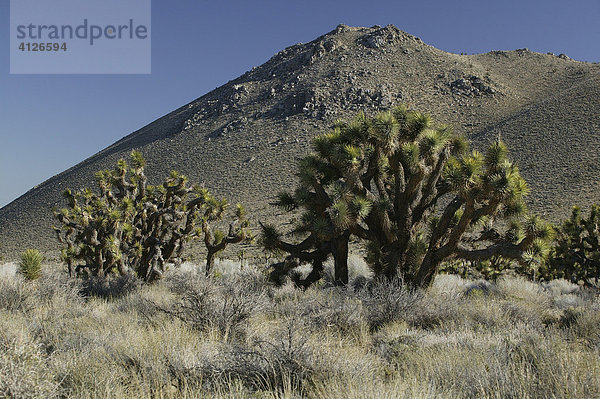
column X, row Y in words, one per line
column 49, row 123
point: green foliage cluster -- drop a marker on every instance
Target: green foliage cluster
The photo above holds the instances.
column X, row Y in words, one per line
column 414, row 193
column 30, row 265
column 132, row 225
column 576, row 255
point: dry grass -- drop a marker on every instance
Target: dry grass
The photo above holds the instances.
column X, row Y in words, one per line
column 235, row 336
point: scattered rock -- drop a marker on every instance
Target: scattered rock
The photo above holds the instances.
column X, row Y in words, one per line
column 466, row 85
column 381, row 38
column 320, row 104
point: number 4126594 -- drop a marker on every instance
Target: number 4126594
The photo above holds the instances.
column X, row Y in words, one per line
column 43, row 46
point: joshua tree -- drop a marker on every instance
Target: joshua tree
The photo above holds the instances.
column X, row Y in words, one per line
column 576, row 255
column 216, row 240
column 330, row 212
column 414, row 193
column 131, row 224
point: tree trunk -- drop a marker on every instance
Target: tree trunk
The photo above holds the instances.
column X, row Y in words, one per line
column 426, row 272
column 340, row 257
column 394, row 261
column 210, row 262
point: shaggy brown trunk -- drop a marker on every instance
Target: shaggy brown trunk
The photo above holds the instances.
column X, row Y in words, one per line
column 210, row 262
column 340, row 258
column 426, row 272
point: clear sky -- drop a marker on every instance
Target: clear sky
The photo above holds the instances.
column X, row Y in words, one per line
column 49, row 123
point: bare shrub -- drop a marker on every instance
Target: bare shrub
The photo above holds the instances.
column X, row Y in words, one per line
column 24, row 369
column 55, row 284
column 386, row 301
column 15, row 295
column 110, row 287
column 332, row 308
column 223, row 303
column 283, row 358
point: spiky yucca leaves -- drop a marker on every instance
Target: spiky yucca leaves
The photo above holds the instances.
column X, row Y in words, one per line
column 30, row 265
column 383, row 179
column 130, row 224
column 216, row 240
column 576, row 255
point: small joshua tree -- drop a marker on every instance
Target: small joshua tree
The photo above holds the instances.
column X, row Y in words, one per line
column 217, row 240
column 130, row 224
column 414, row 194
column 30, row 265
column 576, row 255
column 329, row 212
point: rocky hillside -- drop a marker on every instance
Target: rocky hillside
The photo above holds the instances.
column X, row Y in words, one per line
column 242, row 139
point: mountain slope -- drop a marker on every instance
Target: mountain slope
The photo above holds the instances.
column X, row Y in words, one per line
column 241, row 140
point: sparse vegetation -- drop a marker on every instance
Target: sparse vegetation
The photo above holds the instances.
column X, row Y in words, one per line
column 238, row 336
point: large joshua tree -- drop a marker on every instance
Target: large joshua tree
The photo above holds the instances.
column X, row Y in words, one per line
column 130, row 225
column 414, row 193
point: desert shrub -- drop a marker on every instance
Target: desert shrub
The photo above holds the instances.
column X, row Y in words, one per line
column 567, row 301
column 24, row 371
column 54, row 284
column 224, row 304
column 480, row 287
column 283, row 358
column 432, row 311
column 583, row 324
column 520, row 290
column 561, row 286
column 30, row 265
column 109, row 287
column 16, row 296
column 387, row 301
column 146, row 303
column 336, row 309
column 332, row 308
column 449, row 284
